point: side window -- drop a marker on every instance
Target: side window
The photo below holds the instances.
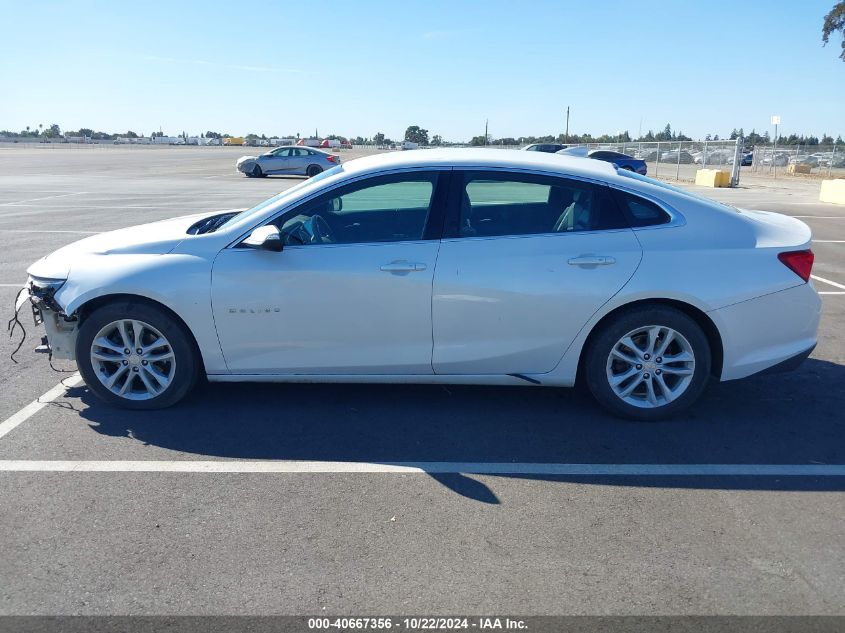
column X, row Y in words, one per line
column 497, row 204
column 383, row 209
column 642, row 212
column 281, row 153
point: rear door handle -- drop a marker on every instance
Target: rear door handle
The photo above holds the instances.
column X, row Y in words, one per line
column 403, row 267
column 591, row 260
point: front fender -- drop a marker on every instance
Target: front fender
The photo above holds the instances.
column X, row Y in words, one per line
column 181, row 282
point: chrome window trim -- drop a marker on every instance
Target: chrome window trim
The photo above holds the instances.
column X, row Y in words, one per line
column 676, row 219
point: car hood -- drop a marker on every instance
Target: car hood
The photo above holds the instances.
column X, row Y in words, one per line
column 244, row 159
column 155, row 238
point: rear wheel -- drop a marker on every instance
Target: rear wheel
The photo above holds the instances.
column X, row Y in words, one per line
column 313, row 170
column 648, row 363
column 135, row 356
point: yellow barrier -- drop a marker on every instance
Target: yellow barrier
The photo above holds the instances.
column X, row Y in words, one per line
column 713, row 178
column 798, row 169
column 833, row 191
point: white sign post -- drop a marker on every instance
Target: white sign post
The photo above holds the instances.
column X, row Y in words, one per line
column 775, row 122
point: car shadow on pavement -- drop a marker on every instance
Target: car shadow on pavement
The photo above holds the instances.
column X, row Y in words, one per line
column 791, row 418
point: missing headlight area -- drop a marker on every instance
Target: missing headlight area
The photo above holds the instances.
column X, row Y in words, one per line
column 61, row 329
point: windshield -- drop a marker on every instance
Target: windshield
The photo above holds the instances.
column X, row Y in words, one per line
column 278, row 198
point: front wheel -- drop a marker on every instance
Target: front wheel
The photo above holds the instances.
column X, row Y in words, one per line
column 256, row 172
column 648, row 363
column 135, row 356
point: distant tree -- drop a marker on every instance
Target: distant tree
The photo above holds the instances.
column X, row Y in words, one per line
column 378, row 139
column 211, row 134
column 835, row 21
column 130, row 134
column 437, row 140
column 665, row 135
column 826, row 140
column 716, row 138
column 477, row 141
column 54, row 131
column 416, row 134
column 839, row 141
column 708, row 138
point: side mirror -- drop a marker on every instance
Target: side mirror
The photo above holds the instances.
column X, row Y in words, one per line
column 265, row 238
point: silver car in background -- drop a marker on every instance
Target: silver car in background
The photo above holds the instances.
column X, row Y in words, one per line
column 288, row 161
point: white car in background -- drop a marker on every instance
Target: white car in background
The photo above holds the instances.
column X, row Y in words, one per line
column 467, row 266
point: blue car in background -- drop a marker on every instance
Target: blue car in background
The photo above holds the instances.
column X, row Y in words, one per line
column 623, row 161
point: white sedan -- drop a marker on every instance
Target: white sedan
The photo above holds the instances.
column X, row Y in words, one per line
column 468, row 266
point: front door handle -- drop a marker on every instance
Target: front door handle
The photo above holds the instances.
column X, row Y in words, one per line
column 591, row 260
column 403, row 267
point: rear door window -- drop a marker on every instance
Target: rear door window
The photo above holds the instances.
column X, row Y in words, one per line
column 494, row 204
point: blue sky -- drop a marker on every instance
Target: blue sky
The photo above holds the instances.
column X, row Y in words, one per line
column 355, row 68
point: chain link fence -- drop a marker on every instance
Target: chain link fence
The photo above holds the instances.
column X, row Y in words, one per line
column 819, row 161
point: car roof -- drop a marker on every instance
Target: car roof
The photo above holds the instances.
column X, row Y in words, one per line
column 480, row 157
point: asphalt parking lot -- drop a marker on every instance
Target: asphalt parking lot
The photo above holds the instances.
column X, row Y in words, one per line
column 398, row 500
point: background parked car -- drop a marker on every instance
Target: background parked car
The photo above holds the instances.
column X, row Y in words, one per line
column 287, row 161
column 712, row 157
column 778, row 160
column 747, row 159
column 623, row 161
column 550, row 148
column 685, row 157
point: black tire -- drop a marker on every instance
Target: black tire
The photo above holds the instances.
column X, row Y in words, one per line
column 186, row 362
column 313, row 170
column 256, row 172
column 603, row 342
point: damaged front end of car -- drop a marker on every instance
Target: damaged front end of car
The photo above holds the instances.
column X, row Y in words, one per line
column 60, row 328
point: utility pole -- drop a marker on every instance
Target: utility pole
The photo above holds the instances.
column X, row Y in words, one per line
column 566, row 136
column 486, row 121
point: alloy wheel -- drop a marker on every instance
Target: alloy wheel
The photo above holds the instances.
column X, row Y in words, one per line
column 650, row 366
column 133, row 360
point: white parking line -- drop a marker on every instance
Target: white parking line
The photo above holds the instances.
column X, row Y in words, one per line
column 64, row 195
column 477, row 468
column 829, row 241
column 832, row 293
column 45, row 231
column 820, row 217
column 39, row 403
column 828, row 281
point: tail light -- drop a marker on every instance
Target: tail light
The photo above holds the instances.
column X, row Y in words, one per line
column 799, row 262
column 331, row 159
